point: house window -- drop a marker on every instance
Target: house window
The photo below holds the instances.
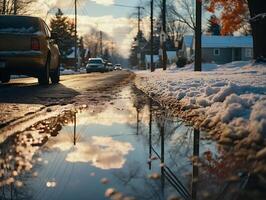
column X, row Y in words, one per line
column 216, row 52
column 249, row 52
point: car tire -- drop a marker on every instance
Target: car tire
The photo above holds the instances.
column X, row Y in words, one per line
column 4, row 78
column 44, row 76
column 55, row 76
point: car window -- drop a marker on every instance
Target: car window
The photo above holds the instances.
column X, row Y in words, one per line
column 14, row 24
column 95, row 62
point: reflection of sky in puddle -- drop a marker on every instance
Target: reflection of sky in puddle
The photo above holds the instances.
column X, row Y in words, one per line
column 112, row 146
column 101, row 152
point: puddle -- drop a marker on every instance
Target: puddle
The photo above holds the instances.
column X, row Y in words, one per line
column 132, row 149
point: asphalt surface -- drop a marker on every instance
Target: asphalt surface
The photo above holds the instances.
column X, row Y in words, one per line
column 23, row 97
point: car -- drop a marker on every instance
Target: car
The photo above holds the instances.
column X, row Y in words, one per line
column 118, row 67
column 110, row 66
column 96, row 65
column 28, row 48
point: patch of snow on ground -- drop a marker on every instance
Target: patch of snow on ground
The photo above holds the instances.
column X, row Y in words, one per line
column 222, row 97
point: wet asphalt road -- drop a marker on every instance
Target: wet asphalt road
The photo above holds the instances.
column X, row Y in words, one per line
column 24, row 96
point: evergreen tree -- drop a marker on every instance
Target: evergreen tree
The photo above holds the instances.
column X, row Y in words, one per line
column 65, row 32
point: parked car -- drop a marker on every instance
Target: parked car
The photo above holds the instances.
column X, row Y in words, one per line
column 27, row 48
column 96, row 65
column 110, row 67
column 118, row 67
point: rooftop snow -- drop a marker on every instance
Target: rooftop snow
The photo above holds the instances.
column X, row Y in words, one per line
column 226, row 41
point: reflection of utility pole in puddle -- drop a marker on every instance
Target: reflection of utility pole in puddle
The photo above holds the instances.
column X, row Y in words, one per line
column 75, row 129
column 150, row 132
column 162, row 156
column 8, row 193
column 195, row 173
column 166, row 172
column 138, row 111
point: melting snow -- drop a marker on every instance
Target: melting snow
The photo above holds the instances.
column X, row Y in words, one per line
column 231, row 96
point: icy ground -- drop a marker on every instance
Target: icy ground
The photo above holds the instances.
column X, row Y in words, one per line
column 227, row 100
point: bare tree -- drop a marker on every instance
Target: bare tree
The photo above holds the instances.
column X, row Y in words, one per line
column 183, row 11
column 23, row 6
column 93, row 43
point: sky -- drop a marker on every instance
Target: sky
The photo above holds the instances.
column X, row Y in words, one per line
column 103, row 15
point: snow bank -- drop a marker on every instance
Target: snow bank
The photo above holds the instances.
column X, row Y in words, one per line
column 72, row 72
column 227, row 99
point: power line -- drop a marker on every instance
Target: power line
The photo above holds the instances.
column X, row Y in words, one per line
column 127, row 6
column 136, row 7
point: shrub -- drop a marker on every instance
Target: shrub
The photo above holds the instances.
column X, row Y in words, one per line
column 181, row 62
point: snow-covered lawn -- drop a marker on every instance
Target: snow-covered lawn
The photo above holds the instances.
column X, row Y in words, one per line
column 227, row 100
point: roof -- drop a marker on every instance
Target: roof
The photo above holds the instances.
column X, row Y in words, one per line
column 215, row 41
column 188, row 40
column 72, row 54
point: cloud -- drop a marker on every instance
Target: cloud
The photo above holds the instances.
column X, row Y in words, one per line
column 122, row 29
column 104, row 2
column 61, row 4
column 101, row 152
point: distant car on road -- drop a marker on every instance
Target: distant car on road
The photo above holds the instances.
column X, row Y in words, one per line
column 118, row 67
column 110, row 67
column 27, row 48
column 96, row 65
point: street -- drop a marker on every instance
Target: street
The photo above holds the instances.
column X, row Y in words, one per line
column 26, row 97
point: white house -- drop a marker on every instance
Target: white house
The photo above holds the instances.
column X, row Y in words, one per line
column 171, row 56
column 187, row 48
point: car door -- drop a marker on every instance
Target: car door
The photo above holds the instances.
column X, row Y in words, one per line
column 54, row 56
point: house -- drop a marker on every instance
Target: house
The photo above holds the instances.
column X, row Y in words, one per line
column 156, row 61
column 225, row 49
column 187, row 48
column 69, row 60
column 171, row 57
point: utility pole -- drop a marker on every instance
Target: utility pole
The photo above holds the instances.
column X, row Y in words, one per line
column 152, row 64
column 4, row 7
column 198, row 36
column 164, row 60
column 138, row 35
column 101, row 43
column 76, row 39
column 112, row 48
column 139, row 19
column 15, row 7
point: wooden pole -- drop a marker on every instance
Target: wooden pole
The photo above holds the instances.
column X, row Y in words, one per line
column 164, row 39
column 76, row 39
column 15, row 7
column 198, row 36
column 152, row 64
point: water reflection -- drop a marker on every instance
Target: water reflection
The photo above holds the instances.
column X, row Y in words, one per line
column 195, row 163
column 133, row 148
column 101, row 152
